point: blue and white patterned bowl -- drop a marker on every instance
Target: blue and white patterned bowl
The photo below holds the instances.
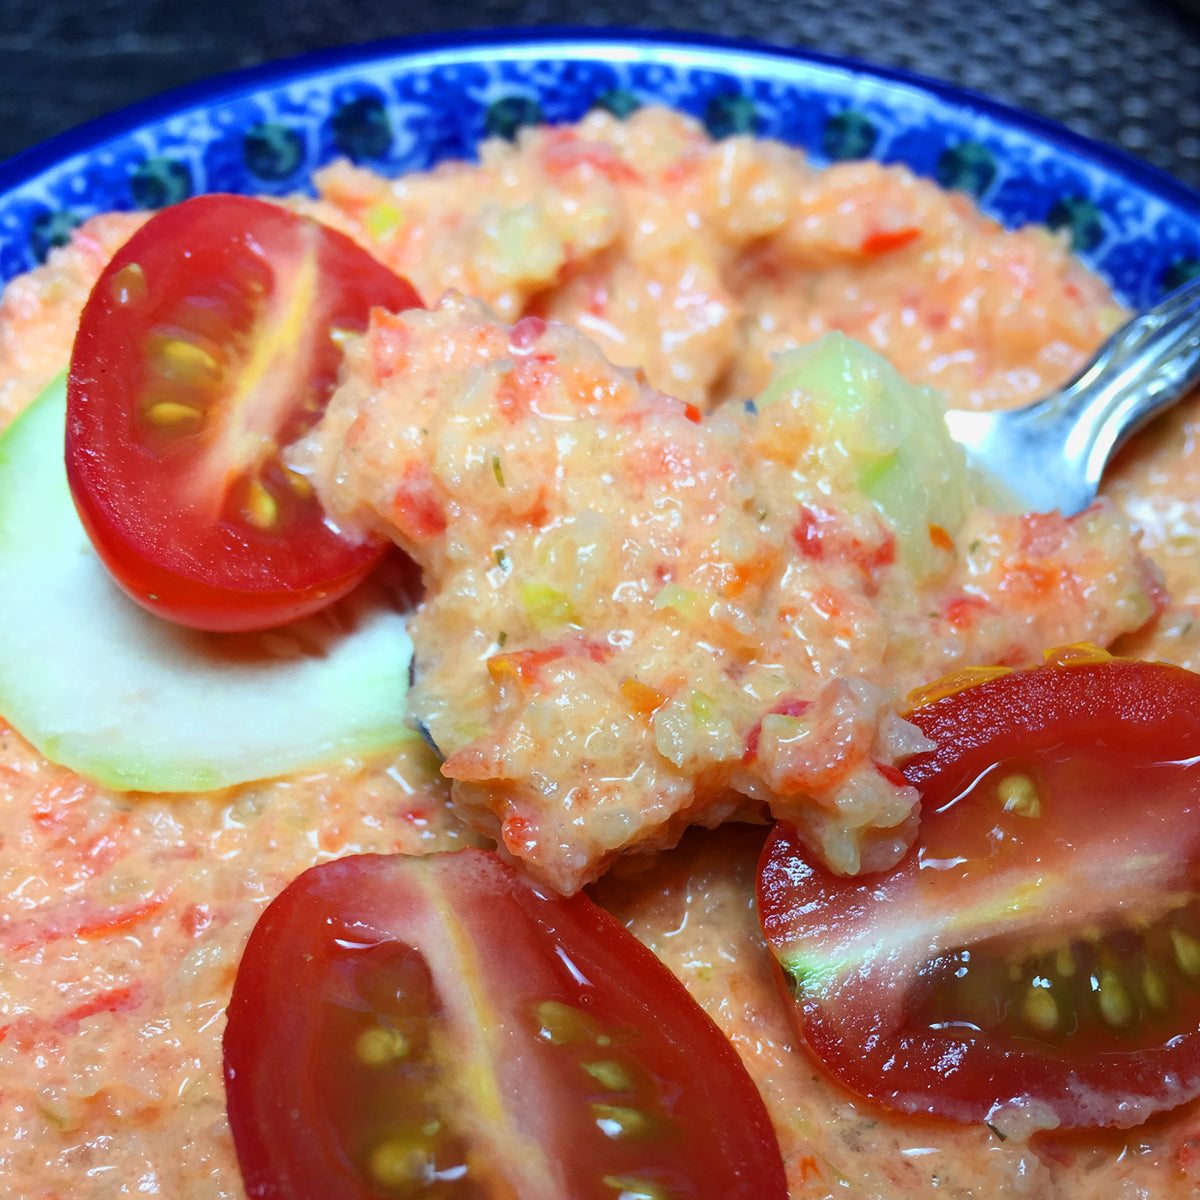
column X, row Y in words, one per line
column 402, row 106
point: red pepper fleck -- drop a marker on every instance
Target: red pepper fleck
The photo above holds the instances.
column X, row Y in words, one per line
column 809, row 1167
column 120, row 999
column 884, row 241
column 871, row 558
column 806, row 533
column 523, row 665
column 741, row 576
column 76, row 918
column 526, row 665
column 643, row 699
column 962, row 611
column 941, row 539
column 416, row 507
column 113, row 920
column 101, row 851
column 196, row 919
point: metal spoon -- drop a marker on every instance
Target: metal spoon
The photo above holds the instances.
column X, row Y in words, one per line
column 1050, row 454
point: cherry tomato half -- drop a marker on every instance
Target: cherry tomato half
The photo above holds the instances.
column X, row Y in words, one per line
column 210, row 341
column 439, row 1027
column 1035, row 959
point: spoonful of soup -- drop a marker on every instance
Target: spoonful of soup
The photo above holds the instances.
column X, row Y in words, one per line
column 1050, row 454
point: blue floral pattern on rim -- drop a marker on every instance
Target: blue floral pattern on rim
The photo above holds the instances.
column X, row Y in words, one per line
column 404, row 106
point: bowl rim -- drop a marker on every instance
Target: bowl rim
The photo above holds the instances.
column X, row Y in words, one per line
column 743, row 56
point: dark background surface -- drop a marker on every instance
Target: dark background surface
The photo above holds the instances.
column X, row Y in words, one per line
column 1126, row 72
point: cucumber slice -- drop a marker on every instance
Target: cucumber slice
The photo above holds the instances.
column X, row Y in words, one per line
column 884, row 438
column 133, row 702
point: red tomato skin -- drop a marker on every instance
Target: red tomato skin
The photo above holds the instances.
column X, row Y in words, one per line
column 194, row 274
column 527, row 946
column 206, row 606
column 1143, row 709
column 1129, row 713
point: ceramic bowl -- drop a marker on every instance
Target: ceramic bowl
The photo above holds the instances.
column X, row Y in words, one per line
column 399, row 106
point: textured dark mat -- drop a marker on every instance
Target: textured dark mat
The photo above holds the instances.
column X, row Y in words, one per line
column 1126, row 72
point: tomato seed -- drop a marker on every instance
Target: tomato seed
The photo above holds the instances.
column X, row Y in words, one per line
column 1187, row 952
column 183, row 360
column 378, row 1046
column 171, row 413
column 561, row 1025
column 616, row 1121
column 1115, row 1005
column 300, row 484
column 1154, row 988
column 629, row 1188
column 128, row 286
column 1040, row 1009
column 397, row 1163
column 261, row 508
column 610, row 1075
column 1019, row 794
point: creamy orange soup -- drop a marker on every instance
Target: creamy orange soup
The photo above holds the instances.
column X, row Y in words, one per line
column 674, row 275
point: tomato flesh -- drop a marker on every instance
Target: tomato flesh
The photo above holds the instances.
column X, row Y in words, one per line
column 1035, row 959
column 439, row 1027
column 210, row 342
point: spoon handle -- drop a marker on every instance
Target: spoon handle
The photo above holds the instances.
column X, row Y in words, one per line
column 1144, row 368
